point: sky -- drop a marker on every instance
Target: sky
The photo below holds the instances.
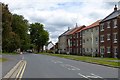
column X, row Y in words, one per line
column 58, row 15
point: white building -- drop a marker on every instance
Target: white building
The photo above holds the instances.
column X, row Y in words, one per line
column 90, row 39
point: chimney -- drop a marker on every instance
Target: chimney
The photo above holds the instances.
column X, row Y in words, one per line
column 68, row 28
column 115, row 9
column 76, row 25
column 119, row 5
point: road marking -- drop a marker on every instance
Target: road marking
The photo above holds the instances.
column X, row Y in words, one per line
column 23, row 69
column 69, row 67
column 17, row 71
column 83, row 76
column 55, row 61
column 12, row 70
column 90, row 76
column 17, row 76
column 96, row 75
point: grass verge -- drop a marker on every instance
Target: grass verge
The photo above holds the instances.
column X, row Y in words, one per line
column 3, row 59
column 10, row 53
column 97, row 60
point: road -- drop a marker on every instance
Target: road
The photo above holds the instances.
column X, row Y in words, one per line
column 44, row 66
column 10, row 63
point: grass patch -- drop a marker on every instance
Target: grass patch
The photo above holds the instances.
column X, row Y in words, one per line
column 98, row 60
column 10, row 53
column 3, row 59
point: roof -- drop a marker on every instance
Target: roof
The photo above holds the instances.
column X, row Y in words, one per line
column 92, row 25
column 67, row 32
column 112, row 15
column 76, row 29
column 64, row 33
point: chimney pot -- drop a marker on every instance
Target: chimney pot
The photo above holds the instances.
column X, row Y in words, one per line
column 115, row 9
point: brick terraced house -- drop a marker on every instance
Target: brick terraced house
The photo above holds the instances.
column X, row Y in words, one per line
column 109, row 33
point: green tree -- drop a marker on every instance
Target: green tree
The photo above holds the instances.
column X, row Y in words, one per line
column 10, row 40
column 20, row 26
column 38, row 35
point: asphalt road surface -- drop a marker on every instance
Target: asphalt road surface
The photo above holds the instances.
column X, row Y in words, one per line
column 44, row 66
column 10, row 63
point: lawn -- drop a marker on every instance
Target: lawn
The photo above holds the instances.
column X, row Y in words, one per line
column 102, row 61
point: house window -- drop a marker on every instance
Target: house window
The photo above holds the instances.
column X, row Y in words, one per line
column 91, row 50
column 84, row 41
column 115, row 52
column 115, row 23
column 87, row 39
column 83, row 49
column 96, row 50
column 92, row 30
column 77, row 35
column 115, row 49
column 102, row 27
column 108, row 36
column 96, row 39
column 108, row 24
column 80, row 34
column 102, row 38
column 77, row 42
column 115, row 37
column 83, row 32
column 87, row 50
column 102, row 50
column 96, row 29
column 87, row 30
column 80, row 42
column 108, row 49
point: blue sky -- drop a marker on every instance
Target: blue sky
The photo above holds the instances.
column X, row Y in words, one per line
column 58, row 15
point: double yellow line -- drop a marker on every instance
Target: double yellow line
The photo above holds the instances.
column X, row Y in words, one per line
column 17, row 71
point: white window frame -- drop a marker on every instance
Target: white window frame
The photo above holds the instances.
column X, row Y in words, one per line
column 102, row 38
column 108, row 24
column 115, row 37
column 102, row 27
column 115, row 23
column 108, row 49
column 102, row 50
column 115, row 50
column 108, row 36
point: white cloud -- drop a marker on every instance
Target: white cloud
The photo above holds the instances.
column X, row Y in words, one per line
column 58, row 15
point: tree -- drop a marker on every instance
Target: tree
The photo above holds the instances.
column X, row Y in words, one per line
column 38, row 35
column 14, row 32
column 10, row 40
column 20, row 26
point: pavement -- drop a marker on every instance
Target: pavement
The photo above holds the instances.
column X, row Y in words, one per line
column 44, row 66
